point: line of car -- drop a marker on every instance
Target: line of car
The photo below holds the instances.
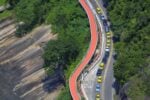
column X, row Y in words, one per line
column 106, row 55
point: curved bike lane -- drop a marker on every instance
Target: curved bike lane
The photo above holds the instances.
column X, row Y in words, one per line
column 88, row 56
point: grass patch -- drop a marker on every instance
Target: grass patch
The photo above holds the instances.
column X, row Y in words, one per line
column 2, row 2
column 5, row 14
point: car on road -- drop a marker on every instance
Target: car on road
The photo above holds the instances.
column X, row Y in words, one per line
column 108, row 33
column 107, row 49
column 98, row 96
column 97, row 87
column 106, row 28
column 102, row 17
column 108, row 44
column 107, row 54
column 99, row 79
column 104, row 60
column 99, row 72
column 108, row 36
column 105, row 22
column 98, row 10
column 105, row 4
column 98, row 99
column 108, row 40
column 101, row 65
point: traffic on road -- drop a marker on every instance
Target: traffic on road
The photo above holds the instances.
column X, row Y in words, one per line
column 107, row 50
column 92, row 82
column 102, row 64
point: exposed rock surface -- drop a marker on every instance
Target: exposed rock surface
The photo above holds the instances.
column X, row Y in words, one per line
column 4, row 7
column 22, row 76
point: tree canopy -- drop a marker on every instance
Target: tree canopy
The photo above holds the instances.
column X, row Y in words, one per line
column 130, row 24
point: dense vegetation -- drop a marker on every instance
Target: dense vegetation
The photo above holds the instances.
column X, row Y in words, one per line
column 68, row 20
column 2, row 2
column 30, row 13
column 130, row 23
column 5, row 14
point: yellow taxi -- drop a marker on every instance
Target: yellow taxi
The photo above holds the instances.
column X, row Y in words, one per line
column 108, row 44
column 108, row 41
column 108, row 36
column 101, row 65
column 99, row 79
column 98, row 10
column 97, row 96
column 108, row 33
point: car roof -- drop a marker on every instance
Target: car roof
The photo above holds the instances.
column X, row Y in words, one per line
column 97, row 85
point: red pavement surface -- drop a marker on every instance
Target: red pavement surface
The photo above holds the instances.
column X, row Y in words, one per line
column 90, row 52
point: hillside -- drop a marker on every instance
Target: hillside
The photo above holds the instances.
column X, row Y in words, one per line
column 130, row 24
column 32, row 52
column 21, row 64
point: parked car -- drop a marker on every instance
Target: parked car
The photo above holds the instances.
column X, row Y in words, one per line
column 101, row 65
column 107, row 54
column 104, row 60
column 102, row 17
column 106, row 28
column 97, row 87
column 105, row 3
column 108, row 36
column 108, row 33
column 98, row 96
column 108, row 44
column 108, row 40
column 99, row 71
column 98, row 10
column 107, row 49
column 105, row 22
column 99, row 79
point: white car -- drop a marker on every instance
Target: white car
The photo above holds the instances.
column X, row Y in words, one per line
column 107, row 49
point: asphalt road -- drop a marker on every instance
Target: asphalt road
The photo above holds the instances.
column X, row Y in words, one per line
column 108, row 81
column 89, row 81
column 107, row 89
column 107, row 92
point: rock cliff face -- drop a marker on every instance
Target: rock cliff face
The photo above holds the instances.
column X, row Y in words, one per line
column 22, row 76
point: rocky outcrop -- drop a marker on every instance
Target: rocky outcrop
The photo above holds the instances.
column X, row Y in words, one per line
column 4, row 7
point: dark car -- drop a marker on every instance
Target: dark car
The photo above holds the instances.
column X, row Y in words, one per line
column 105, row 4
column 104, row 59
column 106, row 29
column 105, row 22
column 99, row 71
column 107, row 54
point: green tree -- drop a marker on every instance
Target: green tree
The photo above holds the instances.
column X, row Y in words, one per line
column 130, row 23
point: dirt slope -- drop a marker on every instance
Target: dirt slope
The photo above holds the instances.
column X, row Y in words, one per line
column 22, row 76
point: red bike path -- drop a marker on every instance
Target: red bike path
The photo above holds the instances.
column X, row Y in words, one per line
column 90, row 52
